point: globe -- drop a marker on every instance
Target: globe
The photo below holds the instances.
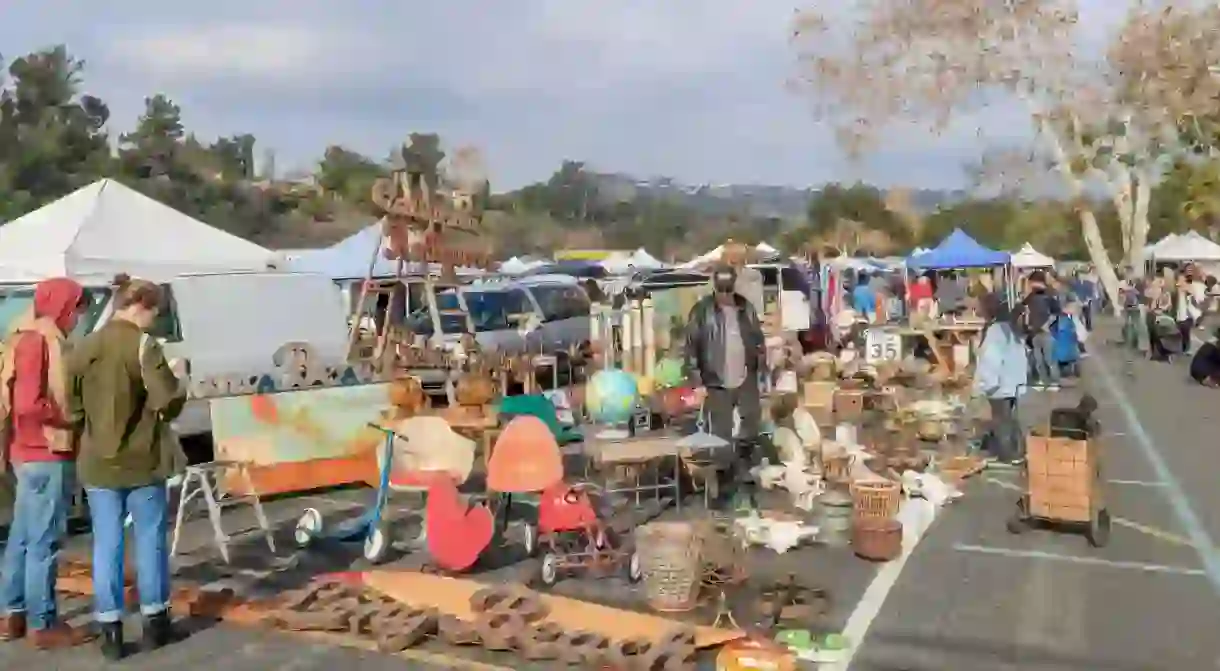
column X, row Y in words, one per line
column 668, row 373
column 611, row 397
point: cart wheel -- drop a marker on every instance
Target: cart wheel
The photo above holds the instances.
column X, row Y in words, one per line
column 377, row 543
column 1018, row 522
column 529, row 539
column 550, row 569
column 635, row 572
column 1099, row 529
column 309, row 527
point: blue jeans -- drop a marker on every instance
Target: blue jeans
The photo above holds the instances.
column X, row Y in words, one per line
column 1046, row 366
column 31, row 557
column 149, row 508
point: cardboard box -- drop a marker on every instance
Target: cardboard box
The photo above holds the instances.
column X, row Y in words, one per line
column 819, row 393
column 848, row 405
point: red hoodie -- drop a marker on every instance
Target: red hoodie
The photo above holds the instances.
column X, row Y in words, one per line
column 33, row 405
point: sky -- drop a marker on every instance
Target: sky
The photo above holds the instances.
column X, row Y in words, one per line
column 694, row 90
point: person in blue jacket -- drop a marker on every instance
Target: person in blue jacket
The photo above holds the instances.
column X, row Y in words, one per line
column 1002, row 377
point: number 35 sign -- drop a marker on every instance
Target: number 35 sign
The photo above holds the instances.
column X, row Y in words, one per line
column 881, row 345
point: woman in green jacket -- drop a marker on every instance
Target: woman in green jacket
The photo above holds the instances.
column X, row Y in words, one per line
column 125, row 393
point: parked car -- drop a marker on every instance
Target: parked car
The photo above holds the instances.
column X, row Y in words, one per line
column 545, row 314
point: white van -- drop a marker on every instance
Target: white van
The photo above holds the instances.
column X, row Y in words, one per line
column 225, row 323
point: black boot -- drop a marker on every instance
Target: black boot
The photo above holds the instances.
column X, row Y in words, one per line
column 158, row 631
column 112, row 641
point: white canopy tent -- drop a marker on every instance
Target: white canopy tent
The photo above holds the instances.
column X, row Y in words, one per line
column 1151, row 249
column 761, row 249
column 107, row 228
column 1189, row 246
column 619, row 263
column 1028, row 257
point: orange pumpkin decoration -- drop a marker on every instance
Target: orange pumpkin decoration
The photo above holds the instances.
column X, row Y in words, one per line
column 407, row 397
column 526, row 458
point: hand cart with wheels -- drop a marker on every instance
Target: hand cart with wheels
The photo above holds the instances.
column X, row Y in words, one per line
column 1064, row 486
column 371, row 527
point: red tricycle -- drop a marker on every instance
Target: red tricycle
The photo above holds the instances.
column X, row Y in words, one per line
column 575, row 538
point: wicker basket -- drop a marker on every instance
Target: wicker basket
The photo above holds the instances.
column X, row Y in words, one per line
column 877, row 540
column 671, row 559
column 837, row 470
column 875, row 499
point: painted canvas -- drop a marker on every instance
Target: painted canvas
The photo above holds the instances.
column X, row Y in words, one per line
column 302, row 440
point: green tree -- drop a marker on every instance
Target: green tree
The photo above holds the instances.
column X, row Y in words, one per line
column 150, row 151
column 346, row 174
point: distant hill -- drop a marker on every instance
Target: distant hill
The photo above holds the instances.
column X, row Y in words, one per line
column 754, row 200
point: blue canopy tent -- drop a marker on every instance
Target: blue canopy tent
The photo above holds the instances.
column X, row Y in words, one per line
column 959, row 250
column 349, row 259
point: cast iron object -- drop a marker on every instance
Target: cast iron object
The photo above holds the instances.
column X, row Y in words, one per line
column 407, row 630
column 542, row 642
column 307, row 596
column 501, row 631
column 789, row 602
column 509, row 600
column 457, row 632
column 674, row 652
column 584, row 648
column 629, row 654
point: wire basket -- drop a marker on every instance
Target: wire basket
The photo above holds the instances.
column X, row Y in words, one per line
column 837, row 469
column 671, row 560
column 875, row 500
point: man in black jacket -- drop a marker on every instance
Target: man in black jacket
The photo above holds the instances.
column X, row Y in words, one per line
column 724, row 355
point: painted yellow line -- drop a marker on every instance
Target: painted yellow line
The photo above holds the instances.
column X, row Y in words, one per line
column 1154, row 532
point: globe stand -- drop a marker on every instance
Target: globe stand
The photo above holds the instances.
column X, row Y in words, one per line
column 613, row 433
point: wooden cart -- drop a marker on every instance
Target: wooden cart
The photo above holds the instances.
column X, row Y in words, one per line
column 1063, row 486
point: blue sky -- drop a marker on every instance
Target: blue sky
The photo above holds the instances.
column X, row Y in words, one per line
column 686, row 88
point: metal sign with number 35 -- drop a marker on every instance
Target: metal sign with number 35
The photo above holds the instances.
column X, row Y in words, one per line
column 881, row 345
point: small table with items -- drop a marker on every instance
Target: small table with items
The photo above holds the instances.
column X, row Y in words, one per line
column 640, row 459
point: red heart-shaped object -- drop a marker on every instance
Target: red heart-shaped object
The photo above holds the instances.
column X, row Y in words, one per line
column 456, row 535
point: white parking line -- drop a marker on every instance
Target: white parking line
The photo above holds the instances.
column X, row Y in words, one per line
column 1084, row 561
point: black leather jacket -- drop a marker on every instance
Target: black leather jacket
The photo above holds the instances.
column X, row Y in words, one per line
column 704, row 361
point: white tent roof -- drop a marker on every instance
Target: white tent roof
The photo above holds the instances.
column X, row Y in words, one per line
column 765, row 249
column 619, row 263
column 1187, row 247
column 1028, row 257
column 1151, row 249
column 642, row 259
column 107, row 228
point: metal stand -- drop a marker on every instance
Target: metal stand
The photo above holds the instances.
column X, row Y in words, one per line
column 201, row 479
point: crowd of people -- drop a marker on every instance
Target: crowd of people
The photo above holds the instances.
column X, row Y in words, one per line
column 97, row 411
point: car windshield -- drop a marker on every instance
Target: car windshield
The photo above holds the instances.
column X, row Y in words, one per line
column 14, row 302
column 489, row 310
column 420, row 320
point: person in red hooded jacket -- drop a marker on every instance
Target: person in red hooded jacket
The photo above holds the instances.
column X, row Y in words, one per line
column 33, row 381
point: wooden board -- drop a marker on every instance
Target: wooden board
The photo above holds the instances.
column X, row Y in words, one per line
column 452, row 597
column 1063, row 478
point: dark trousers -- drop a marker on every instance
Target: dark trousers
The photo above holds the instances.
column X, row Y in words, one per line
column 1004, row 437
column 719, row 407
column 1086, row 313
column 1184, row 329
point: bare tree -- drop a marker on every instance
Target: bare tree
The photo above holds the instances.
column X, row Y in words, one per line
column 1111, row 120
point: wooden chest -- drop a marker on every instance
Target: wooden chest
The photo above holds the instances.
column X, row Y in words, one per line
column 1064, row 478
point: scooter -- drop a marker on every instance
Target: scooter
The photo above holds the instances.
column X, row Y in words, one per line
column 370, row 528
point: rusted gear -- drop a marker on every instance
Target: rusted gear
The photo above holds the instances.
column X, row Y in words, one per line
column 459, row 632
column 630, row 653
column 517, row 601
column 584, row 648
column 542, row 642
column 406, row 629
column 501, row 631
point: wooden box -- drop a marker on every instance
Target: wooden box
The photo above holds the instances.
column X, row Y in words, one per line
column 819, row 393
column 849, row 405
column 1063, row 478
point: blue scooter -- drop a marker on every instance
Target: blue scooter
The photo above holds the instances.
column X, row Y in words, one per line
column 370, row 527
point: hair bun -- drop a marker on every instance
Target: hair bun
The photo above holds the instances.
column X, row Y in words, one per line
column 122, row 279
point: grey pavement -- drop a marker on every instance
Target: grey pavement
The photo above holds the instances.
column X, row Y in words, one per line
column 975, row 597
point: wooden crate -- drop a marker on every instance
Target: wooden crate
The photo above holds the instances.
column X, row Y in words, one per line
column 817, row 393
column 1063, row 478
column 849, row 405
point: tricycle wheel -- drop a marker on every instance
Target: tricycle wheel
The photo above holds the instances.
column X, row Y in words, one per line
column 377, row 543
column 529, row 539
column 550, row 569
column 635, row 572
column 1018, row 522
column 309, row 527
column 1099, row 529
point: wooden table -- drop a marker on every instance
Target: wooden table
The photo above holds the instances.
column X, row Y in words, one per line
column 483, row 429
column 638, row 453
column 940, row 338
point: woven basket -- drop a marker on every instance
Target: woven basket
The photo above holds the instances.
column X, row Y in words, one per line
column 875, row 500
column 837, row 470
column 671, row 560
column 877, row 540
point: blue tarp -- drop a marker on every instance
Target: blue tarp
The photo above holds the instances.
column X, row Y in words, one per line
column 959, row 250
column 349, row 258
